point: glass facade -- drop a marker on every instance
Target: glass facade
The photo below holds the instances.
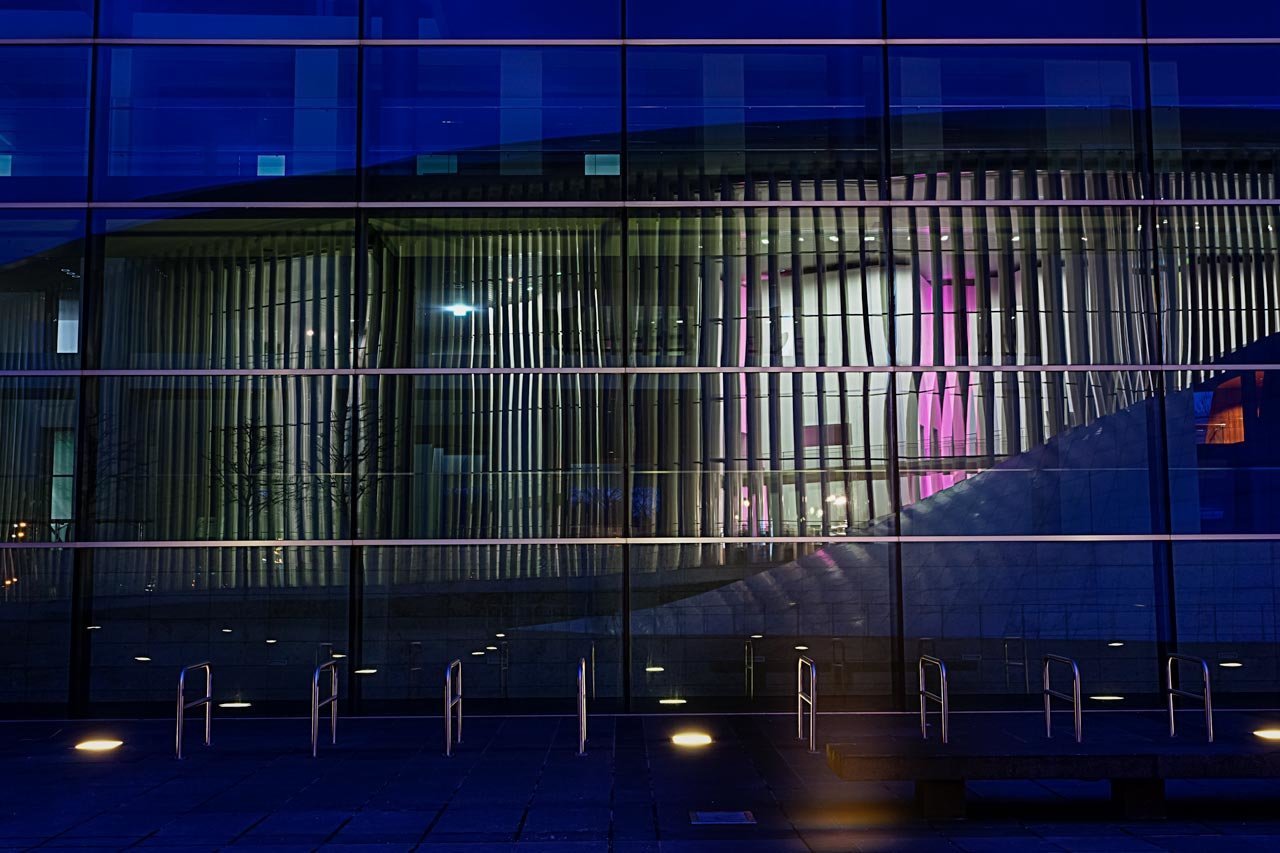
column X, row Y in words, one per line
column 674, row 338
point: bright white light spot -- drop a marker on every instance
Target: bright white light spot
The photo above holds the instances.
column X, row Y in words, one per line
column 98, row 745
column 499, row 636
column 1231, row 664
column 757, row 636
column 691, row 739
column 490, row 648
column 1268, row 734
column 366, row 671
column 870, row 238
column 1117, row 644
column 671, row 701
column 272, row 642
column 142, row 659
column 802, row 648
column 337, row 656
column 235, row 704
column 459, row 310
column 946, row 237
column 654, row 669
column 833, row 238
column 477, row 654
column 226, row 630
column 93, row 627
column 1106, row 698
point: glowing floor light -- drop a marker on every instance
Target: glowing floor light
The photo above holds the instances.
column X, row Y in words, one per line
column 691, row 739
column 98, row 745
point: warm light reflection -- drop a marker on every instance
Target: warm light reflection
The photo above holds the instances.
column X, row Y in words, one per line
column 691, row 739
column 802, row 648
column 671, row 701
column 1106, row 698
column 98, row 745
column 1231, row 664
column 366, row 671
column 477, row 654
column 235, row 704
column 1268, row 734
column 654, row 669
column 337, row 656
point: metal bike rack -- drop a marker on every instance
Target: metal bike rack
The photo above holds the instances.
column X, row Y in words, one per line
column 811, row 698
column 582, row 706
column 1206, row 697
column 749, row 669
column 941, row 697
column 1050, row 694
column 452, row 699
column 1017, row 661
column 317, row 703
column 184, row 706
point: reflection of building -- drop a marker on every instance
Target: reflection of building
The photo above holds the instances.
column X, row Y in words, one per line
column 386, row 350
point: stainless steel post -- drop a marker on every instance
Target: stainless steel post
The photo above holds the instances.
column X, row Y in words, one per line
column 582, row 706
column 811, row 698
column 1206, row 697
column 942, row 697
column 452, row 700
column 1050, row 693
column 317, row 703
column 184, row 706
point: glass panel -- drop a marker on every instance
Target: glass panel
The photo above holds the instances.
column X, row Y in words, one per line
column 988, row 19
column 44, row 123
column 1227, row 611
column 799, row 286
column 1058, row 286
column 1016, row 122
column 760, row 455
column 1224, row 468
column 758, row 19
column 727, row 621
column 35, row 621
column 1192, row 19
column 46, row 18
column 993, row 609
column 234, row 458
column 477, row 456
column 35, row 417
column 226, row 290
column 757, row 123
column 240, row 123
column 265, row 617
column 466, row 123
column 1216, row 130
column 1053, row 453
column 1219, row 266
column 41, row 265
column 518, row 616
column 494, row 289
column 493, row 19
column 220, row 19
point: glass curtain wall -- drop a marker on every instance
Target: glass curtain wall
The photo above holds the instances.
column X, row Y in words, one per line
column 677, row 339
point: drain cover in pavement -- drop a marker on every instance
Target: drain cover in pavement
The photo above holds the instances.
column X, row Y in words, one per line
column 720, row 818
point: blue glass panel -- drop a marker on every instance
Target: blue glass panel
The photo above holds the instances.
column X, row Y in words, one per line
column 46, row 18
column 467, row 122
column 453, row 19
column 760, row 19
column 1014, row 19
column 41, row 269
column 226, row 123
column 999, row 606
column 1193, row 19
column 726, row 121
column 38, row 422
column 1224, row 460
column 1016, row 122
column 44, row 120
column 296, row 19
column 1031, row 453
column 1216, row 113
column 36, row 623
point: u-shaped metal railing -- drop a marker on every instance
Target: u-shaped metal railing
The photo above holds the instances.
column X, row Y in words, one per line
column 810, row 698
column 941, row 697
column 184, row 705
column 452, row 700
column 1206, row 697
column 1050, row 694
column 317, row 703
column 582, row 706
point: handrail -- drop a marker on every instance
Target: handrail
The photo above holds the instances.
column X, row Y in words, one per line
column 941, row 697
column 1206, row 697
column 1074, row 698
column 749, row 669
column 317, row 703
column 1016, row 663
column 184, row 706
column 452, row 699
column 811, row 698
column 582, row 706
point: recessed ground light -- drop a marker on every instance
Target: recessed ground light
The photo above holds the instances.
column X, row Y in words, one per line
column 477, row 654
column 499, row 636
column 1106, row 698
column 757, row 636
column 1231, row 664
column 1117, row 644
column 802, row 648
column 93, row 627
column 235, row 704
column 654, row 669
column 226, row 630
column 490, row 648
column 142, row 659
column 272, row 642
column 366, row 671
column 671, row 701
column 691, row 739
column 98, row 745
column 1268, row 734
